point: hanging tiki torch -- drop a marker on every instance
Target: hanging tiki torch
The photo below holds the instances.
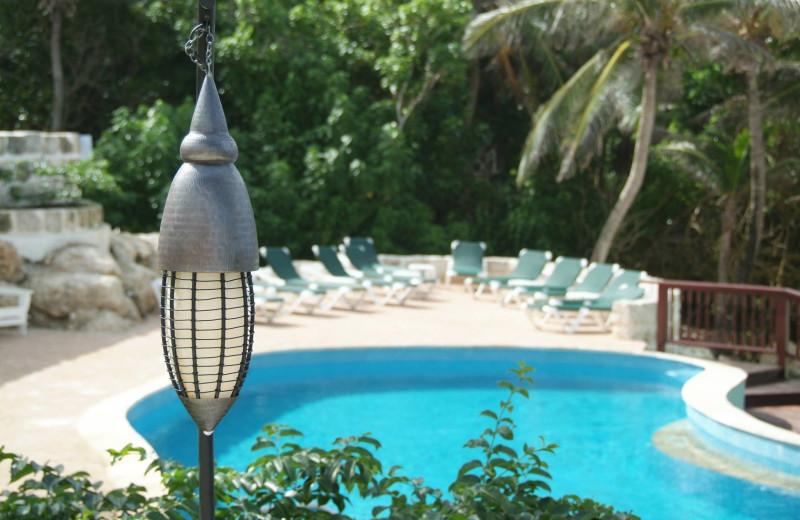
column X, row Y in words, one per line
column 207, row 249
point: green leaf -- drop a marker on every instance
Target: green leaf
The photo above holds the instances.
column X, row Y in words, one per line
column 506, row 450
column 370, row 440
column 501, row 463
column 505, row 432
column 488, row 413
column 468, row 479
column 469, row 466
column 262, row 443
column 477, row 443
column 21, row 472
column 289, row 432
column 506, row 385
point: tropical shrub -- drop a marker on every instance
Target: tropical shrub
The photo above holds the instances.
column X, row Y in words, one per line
column 140, row 151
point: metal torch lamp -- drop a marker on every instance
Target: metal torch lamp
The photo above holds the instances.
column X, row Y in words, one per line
column 207, row 249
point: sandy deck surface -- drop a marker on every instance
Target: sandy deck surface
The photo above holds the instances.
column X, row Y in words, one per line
column 50, row 380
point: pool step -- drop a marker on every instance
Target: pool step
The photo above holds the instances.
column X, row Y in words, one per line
column 758, row 374
column 767, row 387
column 773, row 394
column 764, row 375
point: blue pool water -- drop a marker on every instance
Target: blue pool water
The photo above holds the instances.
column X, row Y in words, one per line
column 423, row 404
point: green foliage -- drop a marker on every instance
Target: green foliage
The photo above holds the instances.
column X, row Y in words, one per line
column 358, row 127
column 28, row 184
column 350, row 117
column 113, row 56
column 140, row 151
column 362, row 117
column 45, row 492
column 289, row 481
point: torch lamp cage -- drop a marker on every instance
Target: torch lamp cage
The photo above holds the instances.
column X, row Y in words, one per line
column 207, row 332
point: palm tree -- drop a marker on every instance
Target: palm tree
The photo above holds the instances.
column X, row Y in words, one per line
column 617, row 85
column 722, row 165
column 757, row 21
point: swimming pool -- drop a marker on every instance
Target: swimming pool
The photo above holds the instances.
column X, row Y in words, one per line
column 600, row 408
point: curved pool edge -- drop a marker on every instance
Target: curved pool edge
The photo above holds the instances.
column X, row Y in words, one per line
column 715, row 407
column 105, row 425
column 711, row 399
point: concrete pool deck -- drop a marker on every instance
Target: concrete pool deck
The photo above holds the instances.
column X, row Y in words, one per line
column 62, row 394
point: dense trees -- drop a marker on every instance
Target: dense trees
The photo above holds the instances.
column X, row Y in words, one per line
column 634, row 40
column 365, row 117
column 758, row 23
column 111, row 52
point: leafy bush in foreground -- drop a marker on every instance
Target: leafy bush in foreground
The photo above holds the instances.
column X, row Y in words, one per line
column 288, row 481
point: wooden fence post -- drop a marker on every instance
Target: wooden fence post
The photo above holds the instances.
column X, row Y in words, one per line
column 661, row 317
column 781, row 328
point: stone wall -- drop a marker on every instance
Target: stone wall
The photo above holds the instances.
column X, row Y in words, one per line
column 83, row 276
column 635, row 319
column 493, row 265
column 43, row 147
column 35, row 232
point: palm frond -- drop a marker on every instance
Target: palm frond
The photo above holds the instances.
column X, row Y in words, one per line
column 787, row 9
column 581, row 22
column 553, row 115
column 707, row 8
column 555, row 122
column 506, row 25
column 564, row 24
column 692, row 160
column 719, row 161
column 736, row 52
column 597, row 116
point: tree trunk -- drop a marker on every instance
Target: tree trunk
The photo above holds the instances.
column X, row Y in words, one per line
column 58, row 72
column 728, row 222
column 641, row 150
column 758, row 177
column 474, row 92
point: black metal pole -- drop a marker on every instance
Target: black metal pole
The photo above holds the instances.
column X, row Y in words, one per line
column 205, row 443
column 206, row 13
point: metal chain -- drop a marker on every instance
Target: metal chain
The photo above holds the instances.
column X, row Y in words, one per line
column 198, row 32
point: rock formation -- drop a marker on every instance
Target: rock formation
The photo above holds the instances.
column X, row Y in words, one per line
column 11, row 266
column 82, row 287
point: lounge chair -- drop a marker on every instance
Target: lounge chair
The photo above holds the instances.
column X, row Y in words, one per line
column 466, row 259
column 530, row 263
column 365, row 255
column 266, row 283
column 280, row 260
column 362, row 255
column 565, row 271
column 366, row 249
column 393, row 289
column 599, row 307
column 268, row 304
column 594, row 279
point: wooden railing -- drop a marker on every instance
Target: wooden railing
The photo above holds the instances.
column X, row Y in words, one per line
column 733, row 317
